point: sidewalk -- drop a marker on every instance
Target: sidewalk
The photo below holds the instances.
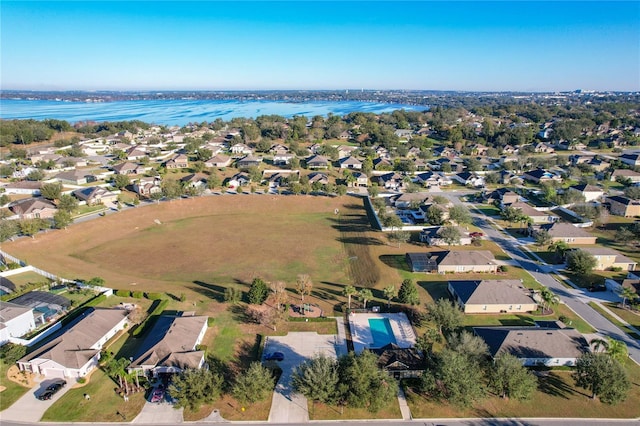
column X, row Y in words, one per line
column 622, row 321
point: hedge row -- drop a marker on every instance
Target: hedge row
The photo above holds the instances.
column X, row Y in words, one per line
column 140, row 295
column 308, row 319
column 155, row 310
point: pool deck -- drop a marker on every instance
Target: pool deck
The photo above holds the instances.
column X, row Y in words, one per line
column 361, row 332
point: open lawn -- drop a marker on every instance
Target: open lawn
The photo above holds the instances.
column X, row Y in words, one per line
column 318, row 411
column 12, row 391
column 557, row 396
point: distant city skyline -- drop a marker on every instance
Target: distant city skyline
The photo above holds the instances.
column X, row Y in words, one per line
column 202, row 45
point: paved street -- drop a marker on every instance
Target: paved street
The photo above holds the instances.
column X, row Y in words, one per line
column 575, row 299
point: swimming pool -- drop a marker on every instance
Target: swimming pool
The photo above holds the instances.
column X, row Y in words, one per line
column 381, row 332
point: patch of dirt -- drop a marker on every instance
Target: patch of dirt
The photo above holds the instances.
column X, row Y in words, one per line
column 23, row 378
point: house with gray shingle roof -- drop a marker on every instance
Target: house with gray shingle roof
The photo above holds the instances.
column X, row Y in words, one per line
column 535, row 345
column 562, row 231
column 75, row 351
column 453, row 261
column 492, row 296
column 15, row 321
column 607, row 258
column 171, row 346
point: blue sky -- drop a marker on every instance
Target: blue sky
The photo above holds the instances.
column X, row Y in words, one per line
column 145, row 45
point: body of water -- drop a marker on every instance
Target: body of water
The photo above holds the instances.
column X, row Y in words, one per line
column 181, row 112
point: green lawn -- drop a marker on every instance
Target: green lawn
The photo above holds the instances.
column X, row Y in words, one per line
column 13, row 391
column 320, row 411
column 613, row 320
column 625, row 314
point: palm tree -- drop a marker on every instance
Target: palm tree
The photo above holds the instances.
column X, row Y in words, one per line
column 627, row 293
column 616, row 349
column 548, row 298
column 559, row 247
column 349, row 291
column 365, row 294
column 389, row 293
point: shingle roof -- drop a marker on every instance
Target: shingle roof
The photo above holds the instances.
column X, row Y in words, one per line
column 467, row 257
column 9, row 311
column 561, row 229
column 393, row 358
column 491, row 292
column 533, row 342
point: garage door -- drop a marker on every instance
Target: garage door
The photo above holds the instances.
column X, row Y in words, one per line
column 51, row 373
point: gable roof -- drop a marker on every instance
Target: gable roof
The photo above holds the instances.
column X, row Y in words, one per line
column 9, row 311
column 391, row 357
column 75, row 345
column 605, row 251
column 466, row 257
column 533, row 342
column 562, row 229
column 172, row 342
column 586, row 188
column 491, row 292
column 528, row 210
column 29, row 205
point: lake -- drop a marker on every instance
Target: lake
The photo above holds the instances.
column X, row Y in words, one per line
column 181, row 112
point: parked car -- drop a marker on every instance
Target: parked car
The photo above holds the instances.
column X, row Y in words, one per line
column 46, row 395
column 57, row 385
column 476, row 234
column 157, row 395
column 274, row 356
column 598, row 287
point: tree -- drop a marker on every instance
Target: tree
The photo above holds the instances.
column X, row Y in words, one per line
column 67, row 203
column 8, row 229
column 391, row 221
column 445, row 314
column 559, row 248
column 62, row 219
column 435, row 215
column 460, row 215
column 408, row 292
column 365, row 295
column 303, row 285
column 349, row 291
column 450, row 235
column 510, row 379
column 366, row 386
column 468, row 344
column 317, row 379
column 511, row 214
column 30, row 227
column 232, row 295
column 279, row 294
column 603, row 376
column 454, row 377
column 51, row 191
column 616, row 349
column 373, row 191
column 171, row 188
column 543, row 238
column 258, row 292
column 627, row 293
column 121, row 181
column 399, row 237
column 254, row 385
column 548, row 299
column 581, row 262
column 10, row 353
column 195, row 387
column 389, row 293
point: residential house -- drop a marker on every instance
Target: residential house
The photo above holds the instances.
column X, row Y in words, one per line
column 607, row 259
column 195, row 180
column 481, row 261
column 362, row 181
column 541, row 175
column 346, row 151
column 445, row 151
column 179, row 161
column 543, row 147
column 590, row 192
column 70, row 162
column 317, row 162
column 238, row 180
column 345, row 135
column 536, row 216
column 283, row 159
column 492, row 296
column 95, row 195
column 318, row 177
column 535, row 346
column 128, row 169
column 23, row 187
column 623, row 206
column 135, row 153
column 562, row 231
column 630, row 159
column 403, row 133
column 15, row 321
column 503, row 196
column 633, row 176
column 410, row 199
column 279, row 149
column 468, row 178
column 33, row 208
column 219, row 160
column 75, row 351
column 432, row 236
column 241, row 148
column 392, row 181
column 46, row 305
column 249, row 161
column 431, row 179
column 381, row 163
column 147, row 186
column 350, row 163
column 400, row 363
column 171, row 346
column 75, row 177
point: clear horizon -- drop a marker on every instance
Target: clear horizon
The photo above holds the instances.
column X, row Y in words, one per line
column 252, row 46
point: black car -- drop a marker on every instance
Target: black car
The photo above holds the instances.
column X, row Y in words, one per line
column 598, row 287
column 46, row 395
column 56, row 386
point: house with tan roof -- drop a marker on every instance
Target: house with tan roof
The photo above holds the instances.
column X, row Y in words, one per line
column 172, row 346
column 623, row 206
column 562, row 231
column 75, row 351
column 590, row 192
column 492, row 296
column 633, row 176
column 219, row 160
column 179, row 161
column 607, row 259
column 95, row 195
column 317, row 162
column 350, row 163
column 535, row 345
column 536, row 215
column 33, row 208
column 481, row 261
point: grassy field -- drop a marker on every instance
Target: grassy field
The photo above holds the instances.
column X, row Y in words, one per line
column 614, row 321
column 320, row 411
column 556, row 396
column 13, row 391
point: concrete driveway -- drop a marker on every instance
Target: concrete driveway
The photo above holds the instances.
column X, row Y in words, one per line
column 29, row 408
column 159, row 413
column 288, row 406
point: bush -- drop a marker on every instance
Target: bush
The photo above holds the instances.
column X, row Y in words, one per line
column 502, row 268
column 137, row 295
column 123, row 293
column 155, row 296
column 81, row 380
column 210, row 321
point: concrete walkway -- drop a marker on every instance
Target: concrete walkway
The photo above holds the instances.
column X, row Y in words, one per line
column 341, row 340
column 28, row 408
column 404, row 407
column 159, row 413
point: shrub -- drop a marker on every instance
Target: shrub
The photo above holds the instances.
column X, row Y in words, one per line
column 210, row 322
column 137, row 295
column 155, row 296
column 81, row 380
column 502, row 268
column 123, row 293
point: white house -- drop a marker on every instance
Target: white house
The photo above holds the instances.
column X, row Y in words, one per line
column 15, row 321
column 76, row 350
